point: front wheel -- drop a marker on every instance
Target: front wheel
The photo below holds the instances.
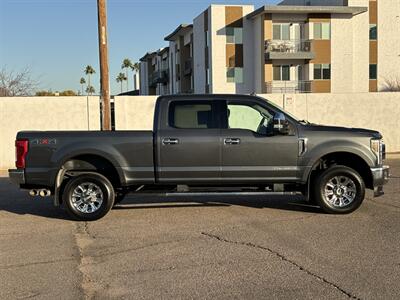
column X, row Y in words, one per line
column 88, row 197
column 339, row 190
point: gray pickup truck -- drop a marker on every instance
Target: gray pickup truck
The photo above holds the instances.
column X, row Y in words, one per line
column 203, row 143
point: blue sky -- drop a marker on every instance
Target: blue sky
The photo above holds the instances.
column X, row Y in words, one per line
column 56, row 39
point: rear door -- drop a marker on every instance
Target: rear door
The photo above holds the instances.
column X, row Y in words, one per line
column 251, row 153
column 188, row 142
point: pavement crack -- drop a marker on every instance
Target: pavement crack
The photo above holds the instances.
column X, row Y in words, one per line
column 285, row 259
column 34, row 263
column 83, row 239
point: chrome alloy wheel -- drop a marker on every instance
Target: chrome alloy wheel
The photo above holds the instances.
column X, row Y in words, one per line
column 340, row 191
column 87, row 197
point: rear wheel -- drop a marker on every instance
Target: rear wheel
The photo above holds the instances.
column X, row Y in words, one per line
column 88, row 197
column 339, row 190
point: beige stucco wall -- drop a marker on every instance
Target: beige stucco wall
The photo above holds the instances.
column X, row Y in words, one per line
column 43, row 113
column 379, row 111
column 388, row 41
column 134, row 112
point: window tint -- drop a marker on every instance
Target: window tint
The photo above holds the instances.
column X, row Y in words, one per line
column 191, row 115
column 251, row 117
column 234, row 75
column 373, row 73
column 322, row 31
column 373, row 32
column 234, row 35
column 322, row 71
column 281, row 72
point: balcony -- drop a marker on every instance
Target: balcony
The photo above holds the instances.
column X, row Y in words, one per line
column 158, row 77
column 289, row 49
column 288, row 87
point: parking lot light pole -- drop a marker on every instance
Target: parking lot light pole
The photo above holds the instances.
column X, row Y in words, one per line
column 104, row 75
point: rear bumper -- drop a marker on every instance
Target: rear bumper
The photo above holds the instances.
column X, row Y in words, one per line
column 17, row 176
column 380, row 176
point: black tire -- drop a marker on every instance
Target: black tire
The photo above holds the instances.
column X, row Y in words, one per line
column 104, row 190
column 342, row 204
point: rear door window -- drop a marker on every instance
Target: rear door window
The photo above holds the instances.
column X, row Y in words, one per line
column 192, row 115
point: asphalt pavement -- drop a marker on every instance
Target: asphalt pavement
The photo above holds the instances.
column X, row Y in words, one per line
column 176, row 247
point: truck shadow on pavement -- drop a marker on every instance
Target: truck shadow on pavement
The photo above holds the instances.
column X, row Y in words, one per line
column 18, row 202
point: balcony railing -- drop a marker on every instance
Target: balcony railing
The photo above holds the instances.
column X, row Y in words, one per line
column 288, row 46
column 289, row 87
column 158, row 77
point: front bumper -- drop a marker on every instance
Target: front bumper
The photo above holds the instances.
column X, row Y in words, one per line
column 17, row 176
column 380, row 176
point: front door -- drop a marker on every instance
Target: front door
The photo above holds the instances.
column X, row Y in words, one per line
column 188, row 148
column 250, row 150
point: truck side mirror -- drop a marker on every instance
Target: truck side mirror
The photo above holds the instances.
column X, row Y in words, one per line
column 281, row 125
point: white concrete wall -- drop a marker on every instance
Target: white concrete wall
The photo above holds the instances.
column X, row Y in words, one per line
column 199, row 71
column 43, row 113
column 360, row 48
column 378, row 111
column 258, row 41
column 388, row 41
column 342, row 55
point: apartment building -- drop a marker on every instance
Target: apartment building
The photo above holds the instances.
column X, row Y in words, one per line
column 181, row 59
column 154, row 73
column 297, row 46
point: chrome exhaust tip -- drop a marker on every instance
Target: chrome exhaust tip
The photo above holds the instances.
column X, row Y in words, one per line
column 44, row 193
column 33, row 193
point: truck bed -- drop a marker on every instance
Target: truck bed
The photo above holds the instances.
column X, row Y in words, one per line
column 130, row 152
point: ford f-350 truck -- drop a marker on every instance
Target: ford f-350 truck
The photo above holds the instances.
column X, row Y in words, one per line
column 203, row 143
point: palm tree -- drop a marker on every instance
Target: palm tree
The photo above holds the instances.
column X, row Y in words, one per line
column 89, row 71
column 121, row 78
column 82, row 82
column 135, row 67
column 90, row 90
column 126, row 64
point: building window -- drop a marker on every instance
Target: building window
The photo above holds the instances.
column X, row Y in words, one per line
column 373, row 72
column 234, row 35
column 322, row 71
column 322, row 31
column 281, row 73
column 281, row 32
column 207, row 38
column 373, row 32
column 234, row 75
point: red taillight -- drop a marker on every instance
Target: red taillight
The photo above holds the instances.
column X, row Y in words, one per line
column 21, row 149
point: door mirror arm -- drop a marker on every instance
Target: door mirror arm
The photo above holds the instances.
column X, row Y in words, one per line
column 281, row 125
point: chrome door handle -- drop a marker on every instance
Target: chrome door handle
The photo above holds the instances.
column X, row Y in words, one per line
column 232, row 141
column 170, row 141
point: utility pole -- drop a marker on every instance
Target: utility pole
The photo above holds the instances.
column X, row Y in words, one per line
column 104, row 76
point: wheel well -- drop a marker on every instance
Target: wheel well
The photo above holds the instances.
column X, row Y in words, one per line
column 96, row 163
column 347, row 159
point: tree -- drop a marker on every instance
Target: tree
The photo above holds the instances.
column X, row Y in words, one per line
column 89, row 71
column 121, row 78
column 82, row 82
column 90, row 90
column 126, row 64
column 391, row 85
column 16, row 83
column 135, row 67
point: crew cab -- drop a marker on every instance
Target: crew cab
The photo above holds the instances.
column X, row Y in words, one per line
column 203, row 143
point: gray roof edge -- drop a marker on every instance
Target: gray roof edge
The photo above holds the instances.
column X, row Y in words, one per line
column 176, row 31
